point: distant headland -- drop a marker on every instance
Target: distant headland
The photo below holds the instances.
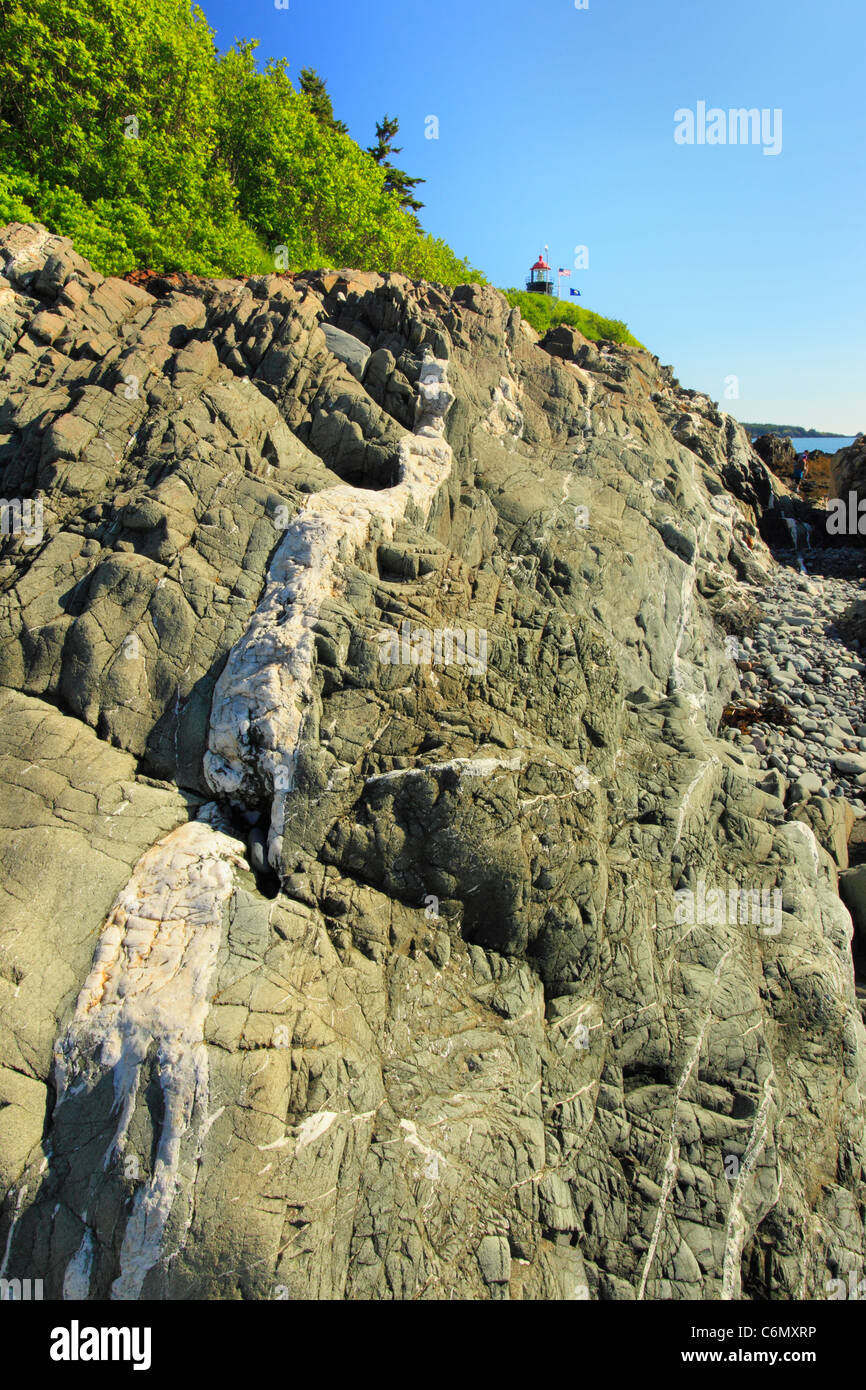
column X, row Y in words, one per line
column 793, row 431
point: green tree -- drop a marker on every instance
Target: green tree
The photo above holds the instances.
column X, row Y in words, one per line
column 314, row 89
column 395, row 179
column 309, row 188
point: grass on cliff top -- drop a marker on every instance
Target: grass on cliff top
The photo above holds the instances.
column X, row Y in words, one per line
column 544, row 312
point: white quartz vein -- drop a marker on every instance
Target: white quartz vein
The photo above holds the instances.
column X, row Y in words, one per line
column 147, row 994
column 267, row 685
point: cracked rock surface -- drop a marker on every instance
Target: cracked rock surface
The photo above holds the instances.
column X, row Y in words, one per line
column 352, row 836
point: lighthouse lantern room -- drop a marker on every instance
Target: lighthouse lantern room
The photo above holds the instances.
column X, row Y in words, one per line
column 540, row 278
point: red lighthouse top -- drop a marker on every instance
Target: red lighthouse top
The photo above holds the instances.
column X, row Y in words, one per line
column 541, row 264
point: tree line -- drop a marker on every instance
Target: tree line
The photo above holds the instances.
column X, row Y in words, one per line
column 123, row 127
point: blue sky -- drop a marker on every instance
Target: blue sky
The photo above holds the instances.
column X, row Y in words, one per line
column 556, row 126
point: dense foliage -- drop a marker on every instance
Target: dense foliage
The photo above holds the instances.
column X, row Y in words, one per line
column 545, row 311
column 123, row 127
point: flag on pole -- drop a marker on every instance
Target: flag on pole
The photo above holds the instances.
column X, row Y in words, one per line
column 576, row 293
column 563, row 272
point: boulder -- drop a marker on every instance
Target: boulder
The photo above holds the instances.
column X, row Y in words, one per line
column 777, row 451
column 350, row 350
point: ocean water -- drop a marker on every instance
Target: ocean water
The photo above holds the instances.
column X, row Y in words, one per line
column 826, row 446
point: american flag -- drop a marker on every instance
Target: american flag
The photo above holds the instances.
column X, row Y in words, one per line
column 563, row 272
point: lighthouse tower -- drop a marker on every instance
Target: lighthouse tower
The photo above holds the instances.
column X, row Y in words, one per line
column 540, row 278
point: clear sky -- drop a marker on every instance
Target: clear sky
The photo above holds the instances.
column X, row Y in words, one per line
column 556, row 126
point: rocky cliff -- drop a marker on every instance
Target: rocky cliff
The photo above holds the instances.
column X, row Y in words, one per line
column 848, row 472
column 387, row 910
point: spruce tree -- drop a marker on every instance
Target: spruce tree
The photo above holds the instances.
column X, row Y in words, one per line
column 314, row 89
column 396, row 181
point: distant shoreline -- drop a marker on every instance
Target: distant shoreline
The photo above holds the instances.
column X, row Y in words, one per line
column 794, row 431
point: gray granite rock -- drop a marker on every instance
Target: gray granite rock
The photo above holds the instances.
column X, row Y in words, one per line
column 507, row 978
column 350, row 350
